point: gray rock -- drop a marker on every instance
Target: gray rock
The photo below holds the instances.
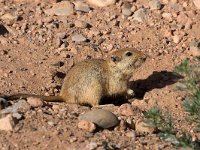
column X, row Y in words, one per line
column 78, row 38
column 21, row 106
column 63, row 8
column 197, row 3
column 80, row 6
column 155, row 5
column 102, row 118
column 18, row 116
column 140, row 15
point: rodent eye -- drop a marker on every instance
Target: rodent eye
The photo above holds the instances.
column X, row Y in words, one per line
column 129, row 54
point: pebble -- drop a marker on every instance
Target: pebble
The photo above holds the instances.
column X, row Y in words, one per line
column 131, row 134
column 126, row 12
column 35, row 102
column 141, row 126
column 51, row 123
column 91, row 146
column 102, row 3
column 176, row 39
column 61, row 35
column 78, row 38
column 80, row 24
column 87, row 125
column 17, row 115
column 80, row 6
column 21, row 106
column 7, row 123
column 195, row 48
column 3, row 40
column 102, row 118
column 140, row 15
column 126, row 110
column 197, row 3
column 9, row 17
column 133, row 8
column 155, row 5
column 167, row 16
column 63, row 8
column 126, row 9
column 130, row 123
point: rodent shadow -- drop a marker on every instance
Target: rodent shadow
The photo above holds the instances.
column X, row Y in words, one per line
column 140, row 87
column 155, row 80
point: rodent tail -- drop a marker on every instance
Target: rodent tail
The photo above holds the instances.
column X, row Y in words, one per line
column 45, row 98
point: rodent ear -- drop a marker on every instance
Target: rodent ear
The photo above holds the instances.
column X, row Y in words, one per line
column 115, row 58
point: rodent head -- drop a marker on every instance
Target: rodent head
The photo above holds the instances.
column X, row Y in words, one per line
column 126, row 60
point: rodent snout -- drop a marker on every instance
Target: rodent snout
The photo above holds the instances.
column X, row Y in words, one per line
column 144, row 57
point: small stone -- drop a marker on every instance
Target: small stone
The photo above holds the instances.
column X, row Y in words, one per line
column 155, row 5
column 102, row 3
column 78, row 38
column 139, row 103
column 51, row 123
column 126, row 9
column 140, row 15
column 133, row 8
column 130, row 123
column 167, row 16
column 141, row 126
column 195, row 48
column 19, row 106
column 63, row 8
column 197, row 3
column 8, row 16
column 73, row 139
column 61, row 35
column 87, row 125
column 131, row 134
column 80, row 6
column 126, row 110
column 122, row 125
column 126, row 12
column 3, row 40
column 176, row 39
column 80, row 24
column 102, row 118
column 35, row 102
column 17, row 115
column 7, row 123
column 91, row 146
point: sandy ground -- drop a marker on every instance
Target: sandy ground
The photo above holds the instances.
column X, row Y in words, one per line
column 37, row 50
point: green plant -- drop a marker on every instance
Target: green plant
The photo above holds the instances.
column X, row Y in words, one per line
column 190, row 69
column 163, row 122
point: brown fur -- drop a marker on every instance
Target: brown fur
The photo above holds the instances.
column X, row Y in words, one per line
column 90, row 80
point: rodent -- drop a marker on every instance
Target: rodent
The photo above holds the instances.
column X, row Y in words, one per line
column 89, row 81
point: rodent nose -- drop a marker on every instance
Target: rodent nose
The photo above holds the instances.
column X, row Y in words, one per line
column 144, row 57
